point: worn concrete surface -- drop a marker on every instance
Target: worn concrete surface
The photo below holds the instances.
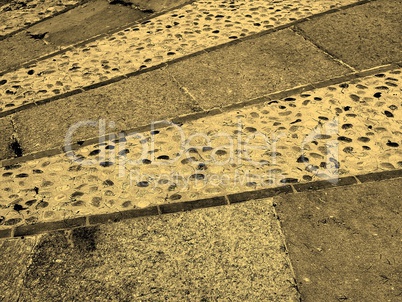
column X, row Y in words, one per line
column 345, row 243
column 364, row 36
column 5, row 137
column 203, row 255
column 14, row 261
column 20, row 48
column 158, row 5
column 128, row 104
column 86, row 21
column 270, row 63
column 81, row 23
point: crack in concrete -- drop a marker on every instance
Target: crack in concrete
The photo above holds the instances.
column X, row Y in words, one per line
column 298, row 31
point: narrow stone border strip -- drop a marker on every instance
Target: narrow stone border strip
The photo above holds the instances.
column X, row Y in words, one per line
column 135, row 73
column 26, row 230
column 196, row 115
column 378, row 176
column 92, row 220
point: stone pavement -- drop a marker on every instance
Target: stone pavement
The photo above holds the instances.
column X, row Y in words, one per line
column 240, row 109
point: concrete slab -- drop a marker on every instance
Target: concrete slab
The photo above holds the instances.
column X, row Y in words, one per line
column 345, row 243
column 126, row 104
column 158, row 5
column 363, row 36
column 5, row 138
column 14, row 260
column 267, row 64
column 20, row 48
column 229, row 253
column 85, row 21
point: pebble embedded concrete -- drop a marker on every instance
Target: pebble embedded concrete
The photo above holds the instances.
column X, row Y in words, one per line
column 180, row 32
column 339, row 130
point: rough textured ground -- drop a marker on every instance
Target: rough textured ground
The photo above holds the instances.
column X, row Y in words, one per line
column 204, row 255
column 345, row 243
column 362, row 37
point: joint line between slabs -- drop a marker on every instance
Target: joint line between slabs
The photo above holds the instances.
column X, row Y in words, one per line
column 298, row 31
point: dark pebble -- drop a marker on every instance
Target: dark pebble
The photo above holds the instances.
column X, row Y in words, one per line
column 163, row 157
column 392, row 144
column 146, row 161
column 363, row 139
column 37, row 171
column 94, row 152
column 108, row 182
column 18, row 207
column 347, row 126
column 302, row 159
column 76, row 194
column 172, row 187
column 126, row 204
column 250, row 129
column 2, row 82
column 175, row 197
column 220, row 152
column 106, row 164
column 124, row 152
column 197, row 176
column 344, row 139
column 206, row 148
column 388, row 113
column 143, row 184
column 289, row 180
column 377, row 95
column 30, row 202
column 348, row 149
column 22, row 175
column 188, row 160
column 355, row 97
column 78, row 203
column 322, row 136
column 201, row 166
column 42, row 204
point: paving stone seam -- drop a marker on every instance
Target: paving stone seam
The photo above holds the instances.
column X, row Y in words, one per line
column 229, row 43
column 194, row 115
column 68, row 8
column 224, row 200
column 298, row 31
column 295, row 284
column 86, row 41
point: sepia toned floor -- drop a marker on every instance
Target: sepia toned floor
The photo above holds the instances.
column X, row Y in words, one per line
column 278, row 123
